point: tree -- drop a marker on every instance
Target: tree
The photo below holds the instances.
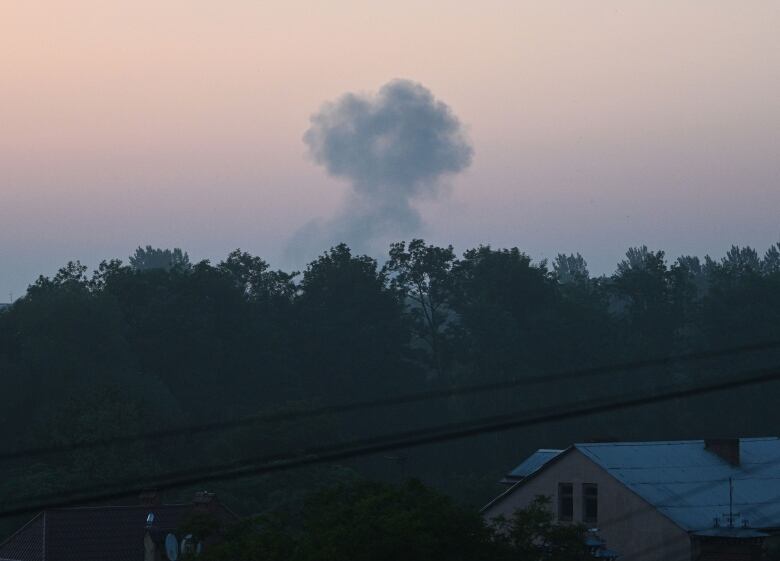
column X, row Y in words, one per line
column 102, row 408
column 259, row 538
column 532, row 535
column 570, row 269
column 65, row 332
column 379, row 522
column 771, row 262
column 506, row 307
column 691, row 267
column 421, row 274
column 252, row 276
column 84, row 357
column 642, row 286
column 741, row 261
column 148, row 258
column 366, row 521
column 351, row 332
column 388, row 523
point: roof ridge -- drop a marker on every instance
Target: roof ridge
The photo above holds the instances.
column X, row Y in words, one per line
column 641, row 443
column 24, row 527
column 671, row 442
column 117, row 507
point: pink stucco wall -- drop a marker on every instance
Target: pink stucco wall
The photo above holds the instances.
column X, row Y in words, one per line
column 628, row 524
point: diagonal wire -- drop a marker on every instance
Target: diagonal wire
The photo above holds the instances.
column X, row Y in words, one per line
column 366, row 447
column 417, row 397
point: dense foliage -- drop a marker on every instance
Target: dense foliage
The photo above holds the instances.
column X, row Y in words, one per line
column 410, row 522
column 162, row 342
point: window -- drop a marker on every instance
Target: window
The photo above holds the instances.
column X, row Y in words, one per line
column 590, row 502
column 565, row 502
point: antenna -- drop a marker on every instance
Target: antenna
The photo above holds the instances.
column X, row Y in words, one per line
column 731, row 519
column 731, row 502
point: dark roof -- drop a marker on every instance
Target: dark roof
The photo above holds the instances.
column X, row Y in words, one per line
column 95, row 533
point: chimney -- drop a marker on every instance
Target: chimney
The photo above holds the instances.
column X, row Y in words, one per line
column 726, row 448
column 150, row 497
column 204, row 501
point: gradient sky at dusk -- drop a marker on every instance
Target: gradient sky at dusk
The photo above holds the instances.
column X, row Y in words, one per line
column 595, row 125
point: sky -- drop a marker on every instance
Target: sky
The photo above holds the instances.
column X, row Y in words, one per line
column 594, row 126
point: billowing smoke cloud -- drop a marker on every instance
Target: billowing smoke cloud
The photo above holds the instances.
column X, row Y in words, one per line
column 393, row 148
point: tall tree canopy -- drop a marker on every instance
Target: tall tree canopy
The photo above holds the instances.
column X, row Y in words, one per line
column 161, row 342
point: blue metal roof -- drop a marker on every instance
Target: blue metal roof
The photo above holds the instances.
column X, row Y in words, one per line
column 531, row 464
column 731, row 533
column 690, row 485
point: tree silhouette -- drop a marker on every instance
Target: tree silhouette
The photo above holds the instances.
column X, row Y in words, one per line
column 148, row 258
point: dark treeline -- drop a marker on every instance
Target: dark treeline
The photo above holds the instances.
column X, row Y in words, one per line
column 162, row 342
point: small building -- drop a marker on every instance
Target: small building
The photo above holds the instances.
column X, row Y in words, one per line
column 708, row 500
column 149, row 531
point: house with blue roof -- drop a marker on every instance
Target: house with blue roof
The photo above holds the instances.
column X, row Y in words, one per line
column 704, row 500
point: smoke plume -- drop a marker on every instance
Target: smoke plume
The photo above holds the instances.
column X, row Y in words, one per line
column 393, row 148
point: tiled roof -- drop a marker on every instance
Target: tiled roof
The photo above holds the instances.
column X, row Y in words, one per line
column 93, row 533
column 690, row 484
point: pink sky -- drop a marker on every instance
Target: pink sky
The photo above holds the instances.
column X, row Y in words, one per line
column 596, row 125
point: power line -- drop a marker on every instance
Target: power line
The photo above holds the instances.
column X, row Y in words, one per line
column 366, row 447
column 404, row 399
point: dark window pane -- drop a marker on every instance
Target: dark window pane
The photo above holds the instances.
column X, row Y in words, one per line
column 590, row 502
column 565, row 501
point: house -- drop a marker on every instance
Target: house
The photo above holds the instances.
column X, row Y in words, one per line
column 149, row 531
column 708, row 500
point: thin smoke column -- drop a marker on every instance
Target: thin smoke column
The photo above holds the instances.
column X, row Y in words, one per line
column 394, row 148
